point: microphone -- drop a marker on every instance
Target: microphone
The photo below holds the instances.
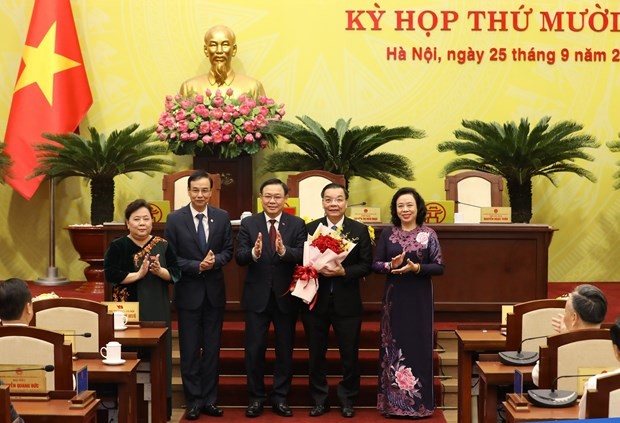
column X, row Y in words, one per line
column 48, row 368
column 520, row 358
column 554, row 398
column 85, row 334
column 363, row 203
column 467, row 204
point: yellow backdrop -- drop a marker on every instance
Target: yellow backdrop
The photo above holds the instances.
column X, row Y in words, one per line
column 328, row 63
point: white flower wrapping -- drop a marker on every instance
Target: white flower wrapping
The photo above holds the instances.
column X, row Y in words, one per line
column 307, row 288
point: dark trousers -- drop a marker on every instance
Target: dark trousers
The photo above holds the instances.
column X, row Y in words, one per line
column 200, row 332
column 347, row 330
column 256, row 330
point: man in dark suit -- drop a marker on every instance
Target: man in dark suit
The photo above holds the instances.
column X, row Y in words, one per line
column 201, row 236
column 338, row 304
column 271, row 244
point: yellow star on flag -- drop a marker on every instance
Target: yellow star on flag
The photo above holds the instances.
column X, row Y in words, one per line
column 42, row 63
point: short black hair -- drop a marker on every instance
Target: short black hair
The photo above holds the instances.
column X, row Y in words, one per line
column 419, row 203
column 589, row 303
column 614, row 333
column 274, row 181
column 135, row 205
column 199, row 174
column 14, row 296
column 335, row 185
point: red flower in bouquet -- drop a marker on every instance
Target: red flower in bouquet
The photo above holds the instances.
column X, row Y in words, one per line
column 217, row 123
column 326, row 242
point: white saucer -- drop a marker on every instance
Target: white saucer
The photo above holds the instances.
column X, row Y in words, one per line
column 123, row 328
column 113, row 363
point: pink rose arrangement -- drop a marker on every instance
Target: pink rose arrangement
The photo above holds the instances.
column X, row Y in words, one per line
column 217, row 123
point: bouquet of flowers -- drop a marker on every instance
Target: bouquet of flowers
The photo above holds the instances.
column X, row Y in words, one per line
column 217, row 123
column 325, row 249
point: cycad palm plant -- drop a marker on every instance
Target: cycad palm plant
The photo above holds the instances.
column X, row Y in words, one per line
column 344, row 150
column 615, row 147
column 5, row 163
column 100, row 160
column 518, row 154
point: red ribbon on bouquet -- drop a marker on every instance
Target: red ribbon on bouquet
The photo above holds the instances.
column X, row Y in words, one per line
column 304, row 273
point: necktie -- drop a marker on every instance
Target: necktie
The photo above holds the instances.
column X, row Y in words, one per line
column 202, row 237
column 334, row 228
column 272, row 234
column 331, row 283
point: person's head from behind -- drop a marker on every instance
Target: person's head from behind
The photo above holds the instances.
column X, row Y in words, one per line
column 15, row 301
column 614, row 333
column 220, row 47
column 407, row 206
column 199, row 185
column 334, row 199
column 586, row 307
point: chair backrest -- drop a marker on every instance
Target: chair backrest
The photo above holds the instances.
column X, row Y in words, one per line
column 307, row 186
column 5, row 404
column 604, row 401
column 531, row 319
column 76, row 316
column 174, row 187
column 571, row 352
column 35, row 347
column 473, row 187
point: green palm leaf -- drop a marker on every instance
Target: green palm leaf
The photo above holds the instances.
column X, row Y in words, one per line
column 5, row 163
column 519, row 153
column 100, row 159
column 342, row 149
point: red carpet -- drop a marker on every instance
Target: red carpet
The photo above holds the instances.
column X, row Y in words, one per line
column 301, row 415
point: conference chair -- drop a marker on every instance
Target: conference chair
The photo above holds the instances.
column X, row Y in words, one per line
column 480, row 189
column 174, row 187
column 529, row 320
column 307, row 186
column 75, row 317
column 5, row 402
column 571, row 352
column 604, row 401
column 30, row 347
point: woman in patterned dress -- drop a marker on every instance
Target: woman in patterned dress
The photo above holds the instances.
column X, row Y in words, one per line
column 409, row 253
column 141, row 267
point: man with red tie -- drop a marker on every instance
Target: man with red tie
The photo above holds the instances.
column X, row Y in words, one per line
column 270, row 244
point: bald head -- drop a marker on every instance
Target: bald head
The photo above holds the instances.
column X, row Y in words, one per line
column 220, row 31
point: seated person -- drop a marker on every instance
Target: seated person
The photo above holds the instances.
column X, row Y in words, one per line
column 16, row 310
column 585, row 308
column 614, row 333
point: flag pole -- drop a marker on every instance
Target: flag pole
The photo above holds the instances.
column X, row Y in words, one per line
column 52, row 278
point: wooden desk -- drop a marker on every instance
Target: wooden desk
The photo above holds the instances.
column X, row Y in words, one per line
column 153, row 339
column 56, row 410
column 494, row 374
column 541, row 414
column 470, row 342
column 124, row 376
column 478, row 257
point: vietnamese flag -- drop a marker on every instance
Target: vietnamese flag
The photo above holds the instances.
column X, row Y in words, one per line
column 51, row 94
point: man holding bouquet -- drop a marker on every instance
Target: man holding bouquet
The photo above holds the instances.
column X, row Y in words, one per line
column 338, row 304
column 270, row 244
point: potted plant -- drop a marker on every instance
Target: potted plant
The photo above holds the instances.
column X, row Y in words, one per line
column 518, row 154
column 342, row 149
column 99, row 159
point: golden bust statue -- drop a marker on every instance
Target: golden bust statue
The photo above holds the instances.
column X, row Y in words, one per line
column 220, row 47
